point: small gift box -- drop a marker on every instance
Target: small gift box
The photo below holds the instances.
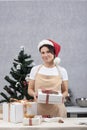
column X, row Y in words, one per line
column 19, row 110
column 36, row 120
column 13, row 112
column 49, row 97
column 6, row 111
column 32, row 108
column 16, row 112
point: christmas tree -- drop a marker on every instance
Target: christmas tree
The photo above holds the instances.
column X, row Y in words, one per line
column 18, row 79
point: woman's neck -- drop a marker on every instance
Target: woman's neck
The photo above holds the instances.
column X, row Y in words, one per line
column 49, row 65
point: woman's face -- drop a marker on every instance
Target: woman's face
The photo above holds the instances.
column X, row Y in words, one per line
column 46, row 55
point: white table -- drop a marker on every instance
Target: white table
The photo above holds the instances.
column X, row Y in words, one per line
column 75, row 110
column 69, row 124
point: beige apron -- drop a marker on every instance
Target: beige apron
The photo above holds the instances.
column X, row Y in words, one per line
column 53, row 83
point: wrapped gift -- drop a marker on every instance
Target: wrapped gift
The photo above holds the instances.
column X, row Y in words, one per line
column 13, row 112
column 6, row 111
column 49, row 97
column 31, row 108
column 16, row 112
column 19, row 110
column 0, row 108
column 36, row 120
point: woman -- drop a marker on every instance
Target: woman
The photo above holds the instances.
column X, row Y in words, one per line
column 49, row 76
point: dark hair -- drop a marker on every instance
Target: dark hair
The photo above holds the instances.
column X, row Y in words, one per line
column 51, row 48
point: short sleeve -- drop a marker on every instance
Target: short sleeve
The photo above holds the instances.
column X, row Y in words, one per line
column 64, row 74
column 33, row 72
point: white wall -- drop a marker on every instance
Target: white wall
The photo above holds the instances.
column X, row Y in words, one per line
column 27, row 23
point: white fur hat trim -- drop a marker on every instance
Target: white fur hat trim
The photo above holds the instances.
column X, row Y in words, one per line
column 44, row 42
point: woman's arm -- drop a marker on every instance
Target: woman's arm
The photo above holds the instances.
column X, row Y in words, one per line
column 64, row 88
column 31, row 89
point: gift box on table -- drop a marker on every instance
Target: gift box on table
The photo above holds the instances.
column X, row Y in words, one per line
column 36, row 120
column 31, row 109
column 19, row 110
column 6, row 111
column 49, row 97
column 15, row 112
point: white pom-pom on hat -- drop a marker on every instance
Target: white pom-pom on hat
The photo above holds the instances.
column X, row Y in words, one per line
column 57, row 61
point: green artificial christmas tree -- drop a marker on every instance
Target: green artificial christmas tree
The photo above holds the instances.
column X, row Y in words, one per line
column 18, row 80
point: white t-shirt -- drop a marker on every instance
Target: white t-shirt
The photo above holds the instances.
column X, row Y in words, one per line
column 49, row 71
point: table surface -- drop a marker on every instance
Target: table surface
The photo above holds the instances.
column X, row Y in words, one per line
column 76, row 109
column 69, row 124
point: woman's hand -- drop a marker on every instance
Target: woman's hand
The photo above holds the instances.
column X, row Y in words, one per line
column 35, row 97
column 63, row 99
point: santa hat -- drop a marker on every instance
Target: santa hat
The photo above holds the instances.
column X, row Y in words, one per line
column 56, row 46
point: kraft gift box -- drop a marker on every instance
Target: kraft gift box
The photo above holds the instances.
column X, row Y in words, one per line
column 49, row 98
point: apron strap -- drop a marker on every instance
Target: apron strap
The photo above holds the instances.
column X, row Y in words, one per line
column 38, row 70
column 59, row 71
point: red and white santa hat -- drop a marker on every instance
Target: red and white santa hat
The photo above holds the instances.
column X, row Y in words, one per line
column 56, row 46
